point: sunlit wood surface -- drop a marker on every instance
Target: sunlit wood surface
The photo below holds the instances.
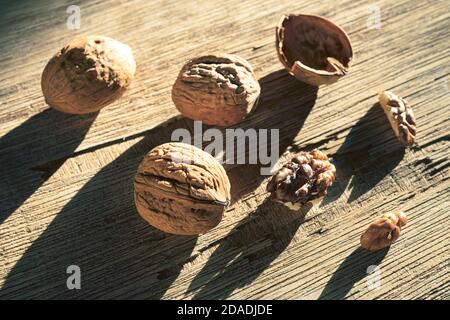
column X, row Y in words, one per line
column 66, row 181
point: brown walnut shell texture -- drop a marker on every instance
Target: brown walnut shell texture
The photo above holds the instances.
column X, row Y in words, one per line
column 87, row 74
column 400, row 116
column 181, row 189
column 383, row 231
column 305, row 177
column 313, row 49
column 217, row 89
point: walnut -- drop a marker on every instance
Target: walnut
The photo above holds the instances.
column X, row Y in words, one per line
column 181, row 189
column 400, row 115
column 216, row 89
column 306, row 177
column 313, row 49
column 383, row 231
column 87, row 74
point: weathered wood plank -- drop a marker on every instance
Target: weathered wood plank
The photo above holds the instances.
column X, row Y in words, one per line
column 66, row 187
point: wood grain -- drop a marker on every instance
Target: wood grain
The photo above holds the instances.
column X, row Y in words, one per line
column 66, row 181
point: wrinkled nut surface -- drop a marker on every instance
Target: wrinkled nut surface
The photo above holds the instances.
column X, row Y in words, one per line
column 87, row 74
column 216, row 89
column 400, row 116
column 313, row 49
column 383, row 231
column 306, row 177
column 181, row 189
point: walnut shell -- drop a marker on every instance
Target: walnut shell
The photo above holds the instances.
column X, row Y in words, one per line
column 181, row 189
column 313, row 49
column 400, row 116
column 216, row 89
column 306, row 177
column 383, row 231
column 87, row 74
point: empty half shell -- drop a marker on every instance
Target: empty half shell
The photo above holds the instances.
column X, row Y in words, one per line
column 313, row 49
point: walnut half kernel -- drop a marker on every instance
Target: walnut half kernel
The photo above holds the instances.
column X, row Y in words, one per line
column 181, row 189
column 307, row 176
column 383, row 231
column 400, row 115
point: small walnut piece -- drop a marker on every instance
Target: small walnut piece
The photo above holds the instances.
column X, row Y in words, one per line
column 313, row 49
column 383, row 231
column 306, row 177
column 181, row 189
column 216, row 89
column 87, row 74
column 400, row 115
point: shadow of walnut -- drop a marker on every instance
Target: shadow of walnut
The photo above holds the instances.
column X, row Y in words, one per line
column 119, row 254
column 100, row 231
column 33, row 151
column 353, row 269
column 247, row 250
column 369, row 153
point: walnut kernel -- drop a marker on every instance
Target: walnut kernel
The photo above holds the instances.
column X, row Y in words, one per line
column 383, row 231
column 400, row 116
column 306, row 177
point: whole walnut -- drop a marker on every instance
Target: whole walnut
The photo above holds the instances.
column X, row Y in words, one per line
column 181, row 189
column 216, row 89
column 383, row 231
column 313, row 49
column 87, row 74
column 306, row 177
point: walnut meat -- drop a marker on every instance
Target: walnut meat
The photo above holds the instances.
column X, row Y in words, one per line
column 400, row 116
column 181, row 189
column 216, row 89
column 87, row 74
column 313, row 49
column 306, row 177
column 383, row 231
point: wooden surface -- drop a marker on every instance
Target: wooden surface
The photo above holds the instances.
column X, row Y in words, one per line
column 66, row 181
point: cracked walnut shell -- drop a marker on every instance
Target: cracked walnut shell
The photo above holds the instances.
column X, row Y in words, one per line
column 383, row 231
column 400, row 116
column 306, row 177
column 181, row 189
column 313, row 49
column 216, row 89
column 87, row 74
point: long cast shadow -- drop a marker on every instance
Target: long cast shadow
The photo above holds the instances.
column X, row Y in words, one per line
column 247, row 250
column 49, row 135
column 258, row 240
column 120, row 256
column 100, row 231
column 353, row 269
column 368, row 154
column 284, row 105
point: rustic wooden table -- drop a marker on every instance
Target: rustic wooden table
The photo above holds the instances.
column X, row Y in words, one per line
column 66, row 181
